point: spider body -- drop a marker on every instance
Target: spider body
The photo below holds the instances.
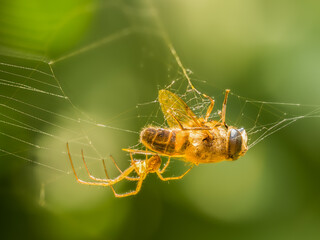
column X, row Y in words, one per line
column 150, row 165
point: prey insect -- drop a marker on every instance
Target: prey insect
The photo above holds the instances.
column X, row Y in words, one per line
column 192, row 139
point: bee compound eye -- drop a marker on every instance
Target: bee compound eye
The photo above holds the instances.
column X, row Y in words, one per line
column 241, row 130
column 235, row 143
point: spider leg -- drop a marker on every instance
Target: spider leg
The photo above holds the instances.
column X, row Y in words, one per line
column 114, row 162
column 173, row 178
column 139, row 184
column 123, row 175
column 112, row 188
column 224, row 108
column 105, row 170
column 90, row 176
column 104, row 184
column 144, row 152
column 165, row 166
column 123, row 194
column 132, row 164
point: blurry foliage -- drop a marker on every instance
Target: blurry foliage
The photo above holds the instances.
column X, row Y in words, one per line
column 266, row 50
column 43, row 27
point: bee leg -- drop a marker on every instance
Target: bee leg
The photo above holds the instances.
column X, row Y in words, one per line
column 209, row 108
column 173, row 178
column 224, row 108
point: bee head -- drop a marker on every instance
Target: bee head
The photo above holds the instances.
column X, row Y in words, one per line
column 237, row 143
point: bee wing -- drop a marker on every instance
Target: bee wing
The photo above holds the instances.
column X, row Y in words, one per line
column 175, row 109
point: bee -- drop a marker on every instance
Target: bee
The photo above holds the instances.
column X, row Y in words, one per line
column 195, row 140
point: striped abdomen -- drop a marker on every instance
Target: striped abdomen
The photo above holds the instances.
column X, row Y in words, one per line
column 163, row 141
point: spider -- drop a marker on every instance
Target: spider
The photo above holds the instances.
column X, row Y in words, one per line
column 141, row 167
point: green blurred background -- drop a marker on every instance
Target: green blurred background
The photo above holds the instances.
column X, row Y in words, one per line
column 110, row 56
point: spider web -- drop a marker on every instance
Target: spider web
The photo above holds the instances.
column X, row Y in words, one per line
column 43, row 106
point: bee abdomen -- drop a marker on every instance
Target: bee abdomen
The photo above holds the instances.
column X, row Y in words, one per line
column 159, row 139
